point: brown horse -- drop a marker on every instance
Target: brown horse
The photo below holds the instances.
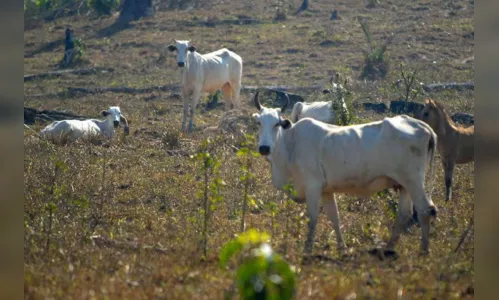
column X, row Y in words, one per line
column 455, row 143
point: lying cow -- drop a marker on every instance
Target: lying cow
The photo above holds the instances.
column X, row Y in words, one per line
column 320, row 110
column 207, row 73
column 322, row 159
column 74, row 129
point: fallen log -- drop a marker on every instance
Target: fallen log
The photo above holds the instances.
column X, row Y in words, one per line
column 60, row 73
column 31, row 115
column 279, row 90
column 459, row 86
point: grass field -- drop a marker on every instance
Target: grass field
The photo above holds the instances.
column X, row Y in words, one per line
column 123, row 220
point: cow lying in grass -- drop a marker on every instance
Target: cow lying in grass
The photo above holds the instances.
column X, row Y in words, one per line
column 321, row 160
column 319, row 110
column 207, row 73
column 71, row 130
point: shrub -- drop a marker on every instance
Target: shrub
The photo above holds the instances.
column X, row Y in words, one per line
column 104, row 7
column 376, row 64
column 261, row 274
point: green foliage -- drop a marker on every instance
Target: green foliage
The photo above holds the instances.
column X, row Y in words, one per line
column 408, row 87
column 104, row 7
column 79, row 48
column 245, row 155
column 344, row 115
column 261, row 274
column 34, row 7
column 376, row 65
column 208, row 191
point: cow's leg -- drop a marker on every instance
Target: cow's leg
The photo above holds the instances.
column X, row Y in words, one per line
column 426, row 209
column 236, row 92
column 195, row 99
column 313, row 198
column 227, row 94
column 404, row 216
column 448, row 170
column 186, row 110
column 331, row 208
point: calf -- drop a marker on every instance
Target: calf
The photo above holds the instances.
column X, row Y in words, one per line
column 206, row 73
column 322, row 159
column 320, row 110
column 74, row 129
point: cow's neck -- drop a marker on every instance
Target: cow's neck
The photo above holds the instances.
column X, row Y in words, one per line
column 190, row 57
column 279, row 157
column 106, row 126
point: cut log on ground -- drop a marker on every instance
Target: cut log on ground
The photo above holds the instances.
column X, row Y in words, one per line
column 32, row 115
column 463, row 119
column 88, row 71
column 398, row 107
column 460, row 86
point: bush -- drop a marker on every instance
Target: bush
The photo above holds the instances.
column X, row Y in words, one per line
column 375, row 62
column 104, row 7
column 261, row 274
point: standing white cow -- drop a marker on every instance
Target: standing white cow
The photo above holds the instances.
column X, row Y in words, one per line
column 74, row 129
column 322, row 159
column 206, row 73
column 320, row 110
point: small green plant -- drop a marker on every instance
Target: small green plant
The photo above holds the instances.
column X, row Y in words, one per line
column 209, row 192
column 342, row 99
column 104, row 7
column 261, row 273
column 245, row 155
column 54, row 194
column 376, row 64
column 79, row 49
column 408, row 87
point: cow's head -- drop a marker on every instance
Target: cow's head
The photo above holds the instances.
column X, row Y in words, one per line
column 113, row 114
column 181, row 47
column 269, row 123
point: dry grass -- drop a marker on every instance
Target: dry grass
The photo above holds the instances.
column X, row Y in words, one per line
column 125, row 219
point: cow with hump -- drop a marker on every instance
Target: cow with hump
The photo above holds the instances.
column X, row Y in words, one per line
column 321, row 159
column 207, row 73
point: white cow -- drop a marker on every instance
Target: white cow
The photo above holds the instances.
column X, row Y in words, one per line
column 319, row 110
column 74, row 129
column 322, row 159
column 207, row 73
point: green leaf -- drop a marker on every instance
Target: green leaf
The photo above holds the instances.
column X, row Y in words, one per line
column 229, row 250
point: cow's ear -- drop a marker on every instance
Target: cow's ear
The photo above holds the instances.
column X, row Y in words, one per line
column 172, row 48
column 285, row 123
column 191, row 48
column 104, row 113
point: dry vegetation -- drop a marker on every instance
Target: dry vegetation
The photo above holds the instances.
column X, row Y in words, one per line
column 123, row 220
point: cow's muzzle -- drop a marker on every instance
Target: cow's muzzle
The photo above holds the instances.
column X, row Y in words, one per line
column 264, row 150
column 181, row 64
column 116, row 124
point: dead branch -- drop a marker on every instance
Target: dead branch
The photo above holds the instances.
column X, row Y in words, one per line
column 464, row 236
column 105, row 243
column 460, row 86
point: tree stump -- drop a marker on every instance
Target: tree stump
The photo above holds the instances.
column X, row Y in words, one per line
column 135, row 9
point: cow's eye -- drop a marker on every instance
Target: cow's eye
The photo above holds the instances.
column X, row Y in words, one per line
column 277, row 125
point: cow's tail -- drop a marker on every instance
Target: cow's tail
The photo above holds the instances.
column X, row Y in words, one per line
column 432, row 146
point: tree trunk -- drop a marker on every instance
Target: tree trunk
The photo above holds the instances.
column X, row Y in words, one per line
column 135, row 9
